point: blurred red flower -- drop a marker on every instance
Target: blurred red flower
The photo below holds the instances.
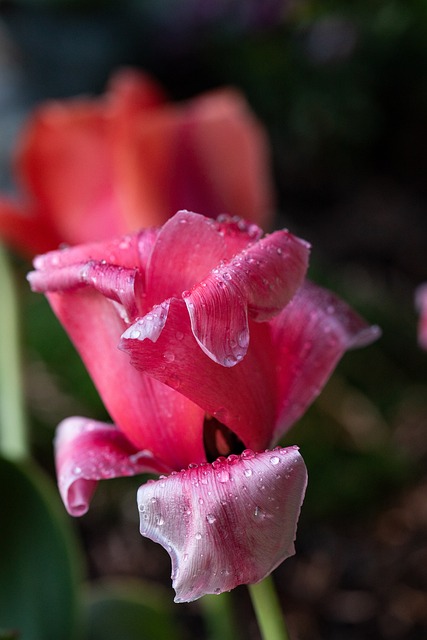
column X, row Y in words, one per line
column 90, row 169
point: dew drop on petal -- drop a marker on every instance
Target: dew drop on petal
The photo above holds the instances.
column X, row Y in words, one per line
column 210, row 518
column 169, row 356
column 198, row 536
column 135, row 334
column 223, row 475
column 248, row 454
column 248, row 473
column 179, row 335
column 275, row 460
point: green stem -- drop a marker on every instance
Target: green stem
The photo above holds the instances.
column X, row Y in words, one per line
column 267, row 610
column 218, row 615
column 13, row 437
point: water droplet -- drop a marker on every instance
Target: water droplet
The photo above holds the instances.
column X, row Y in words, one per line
column 248, row 472
column 77, row 471
column 154, row 500
column 185, row 557
column 257, row 512
column 159, row 520
column 210, row 518
column 169, row 356
column 243, row 338
column 223, row 475
column 248, row 454
column 275, row 460
column 179, row 335
column 198, row 536
column 201, row 501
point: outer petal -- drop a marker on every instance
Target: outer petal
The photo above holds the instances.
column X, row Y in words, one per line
column 260, row 281
column 308, row 338
column 228, row 523
column 88, row 451
column 188, row 246
column 421, row 304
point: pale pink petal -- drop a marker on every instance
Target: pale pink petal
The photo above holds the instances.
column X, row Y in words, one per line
column 308, row 338
column 227, row 523
column 260, row 280
column 421, row 304
column 87, row 451
column 241, row 397
column 188, row 247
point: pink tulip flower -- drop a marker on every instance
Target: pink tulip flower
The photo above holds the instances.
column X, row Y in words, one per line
column 90, row 169
column 421, row 304
column 222, row 347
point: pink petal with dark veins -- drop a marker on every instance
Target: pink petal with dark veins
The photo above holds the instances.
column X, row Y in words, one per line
column 258, row 281
column 227, row 523
column 88, row 451
column 308, row 338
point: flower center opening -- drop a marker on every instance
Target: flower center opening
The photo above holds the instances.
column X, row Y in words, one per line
column 219, row 440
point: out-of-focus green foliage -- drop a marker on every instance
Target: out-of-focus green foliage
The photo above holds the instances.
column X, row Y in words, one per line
column 129, row 610
column 39, row 559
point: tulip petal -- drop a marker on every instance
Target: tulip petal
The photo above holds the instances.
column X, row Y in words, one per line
column 192, row 245
column 308, row 338
column 227, row 523
column 88, row 451
column 115, row 283
column 241, row 397
column 260, row 280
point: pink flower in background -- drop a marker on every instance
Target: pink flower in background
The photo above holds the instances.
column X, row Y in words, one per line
column 421, row 304
column 223, row 346
column 90, row 169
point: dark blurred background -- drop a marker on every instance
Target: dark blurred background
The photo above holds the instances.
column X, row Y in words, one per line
column 342, row 91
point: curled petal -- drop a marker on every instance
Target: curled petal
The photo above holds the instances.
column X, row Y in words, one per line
column 88, row 451
column 260, row 281
column 193, row 245
column 241, row 397
column 308, row 338
column 227, row 523
column 115, row 283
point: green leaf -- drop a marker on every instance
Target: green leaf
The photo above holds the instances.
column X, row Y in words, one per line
column 39, row 562
column 129, row 610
